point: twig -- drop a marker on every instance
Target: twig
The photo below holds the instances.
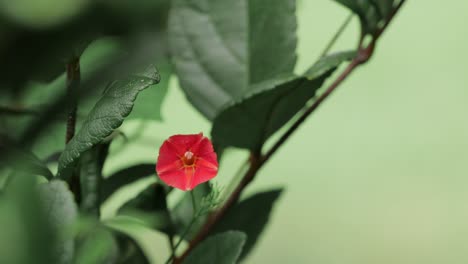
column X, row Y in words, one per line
column 363, row 55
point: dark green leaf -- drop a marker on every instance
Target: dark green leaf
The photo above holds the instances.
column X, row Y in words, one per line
column 155, row 220
column 61, row 214
column 124, row 177
column 250, row 216
column 26, row 235
column 35, row 220
column 371, row 12
column 148, row 104
column 129, row 250
column 384, row 7
column 224, row 248
column 91, row 165
column 249, row 122
column 153, row 198
column 221, row 47
column 272, row 38
column 23, row 161
column 97, row 246
column 108, row 114
column 45, row 51
column 150, row 206
column 182, row 213
column 327, row 63
column 98, row 54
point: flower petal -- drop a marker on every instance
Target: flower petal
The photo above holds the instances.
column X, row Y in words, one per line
column 202, row 174
column 184, row 143
column 174, row 178
column 167, row 157
column 162, row 167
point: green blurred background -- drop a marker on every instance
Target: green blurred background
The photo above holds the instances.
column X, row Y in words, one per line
column 379, row 173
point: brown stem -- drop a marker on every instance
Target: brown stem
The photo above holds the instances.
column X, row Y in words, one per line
column 73, row 83
column 363, row 55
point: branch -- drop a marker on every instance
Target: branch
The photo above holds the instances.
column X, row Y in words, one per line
column 256, row 163
column 73, row 82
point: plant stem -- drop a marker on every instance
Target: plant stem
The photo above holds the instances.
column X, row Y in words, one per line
column 170, row 239
column 363, row 55
column 194, row 219
column 194, row 205
column 170, row 234
column 73, row 83
column 337, row 35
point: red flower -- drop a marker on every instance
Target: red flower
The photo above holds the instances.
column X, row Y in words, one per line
column 186, row 160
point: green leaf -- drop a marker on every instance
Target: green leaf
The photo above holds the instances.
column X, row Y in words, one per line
column 327, row 63
column 61, row 214
column 221, row 47
column 370, row 12
column 36, row 220
column 153, row 198
column 98, row 54
column 249, row 122
column 129, row 250
column 91, row 165
column 384, row 7
column 108, row 241
column 148, row 104
column 182, row 213
column 97, row 246
column 150, row 206
column 224, row 248
column 27, row 236
column 250, row 216
column 23, row 161
column 107, row 115
column 125, row 177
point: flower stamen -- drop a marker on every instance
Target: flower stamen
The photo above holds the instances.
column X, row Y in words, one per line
column 188, row 158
